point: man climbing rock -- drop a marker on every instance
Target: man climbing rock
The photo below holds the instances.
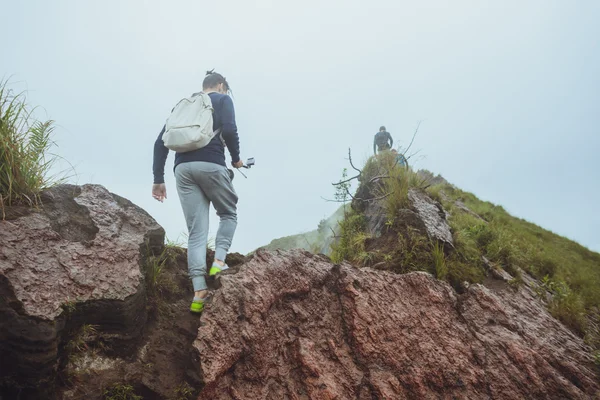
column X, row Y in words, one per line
column 202, row 177
column 382, row 141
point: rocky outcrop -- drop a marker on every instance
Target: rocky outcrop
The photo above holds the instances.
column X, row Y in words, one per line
column 164, row 365
column 77, row 260
column 432, row 214
column 292, row 325
column 422, row 213
column 282, row 325
column 376, row 218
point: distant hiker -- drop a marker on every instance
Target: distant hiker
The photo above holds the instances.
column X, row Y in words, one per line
column 382, row 141
column 400, row 159
column 201, row 173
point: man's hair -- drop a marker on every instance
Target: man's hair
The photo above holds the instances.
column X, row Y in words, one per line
column 212, row 79
column 382, row 128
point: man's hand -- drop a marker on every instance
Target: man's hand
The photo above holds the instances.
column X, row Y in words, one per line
column 238, row 164
column 159, row 191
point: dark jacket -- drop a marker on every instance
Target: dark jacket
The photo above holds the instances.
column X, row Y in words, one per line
column 223, row 118
column 382, row 140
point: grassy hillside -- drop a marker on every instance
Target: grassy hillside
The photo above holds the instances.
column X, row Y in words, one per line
column 480, row 229
column 569, row 270
column 316, row 241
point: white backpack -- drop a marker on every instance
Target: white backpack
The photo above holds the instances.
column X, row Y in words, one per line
column 190, row 125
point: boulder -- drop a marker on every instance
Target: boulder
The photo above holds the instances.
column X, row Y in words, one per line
column 432, row 214
column 423, row 214
column 77, row 260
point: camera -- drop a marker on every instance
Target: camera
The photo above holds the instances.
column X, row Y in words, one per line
column 249, row 162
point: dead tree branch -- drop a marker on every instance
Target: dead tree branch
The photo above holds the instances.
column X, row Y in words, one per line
column 354, row 167
column 334, row 201
column 413, row 154
column 346, row 181
column 350, row 194
column 413, row 138
column 376, row 178
column 358, row 198
column 376, row 198
column 351, row 163
column 333, row 232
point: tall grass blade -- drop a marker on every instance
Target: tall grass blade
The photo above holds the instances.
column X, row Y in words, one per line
column 25, row 160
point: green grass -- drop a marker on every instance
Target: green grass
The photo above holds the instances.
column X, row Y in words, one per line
column 409, row 250
column 184, row 392
column 69, row 307
column 159, row 284
column 25, row 159
column 439, row 261
column 567, row 306
column 517, row 281
column 571, row 271
column 80, row 341
column 392, row 182
column 351, row 241
column 84, row 340
column 435, row 192
column 153, row 271
column 121, row 391
column 313, row 241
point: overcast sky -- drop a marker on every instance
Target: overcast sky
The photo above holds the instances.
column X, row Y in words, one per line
column 509, row 95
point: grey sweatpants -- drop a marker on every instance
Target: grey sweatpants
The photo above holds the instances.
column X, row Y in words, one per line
column 198, row 184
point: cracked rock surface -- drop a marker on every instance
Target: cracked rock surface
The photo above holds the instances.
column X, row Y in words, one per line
column 74, row 261
column 292, row 325
column 432, row 214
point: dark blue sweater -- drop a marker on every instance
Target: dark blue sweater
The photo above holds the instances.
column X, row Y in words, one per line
column 224, row 118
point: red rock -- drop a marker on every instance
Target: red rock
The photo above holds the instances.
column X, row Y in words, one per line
column 292, row 325
column 75, row 261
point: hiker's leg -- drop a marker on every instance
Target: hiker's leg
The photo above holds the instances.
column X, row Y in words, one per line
column 220, row 191
column 195, row 205
column 225, row 203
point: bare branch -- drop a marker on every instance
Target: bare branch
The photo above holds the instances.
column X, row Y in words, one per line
column 332, row 232
column 413, row 154
column 357, row 198
column 334, row 201
column 351, row 163
column 375, row 178
column 381, row 197
column 350, row 194
column 346, row 181
column 374, row 198
column 413, row 138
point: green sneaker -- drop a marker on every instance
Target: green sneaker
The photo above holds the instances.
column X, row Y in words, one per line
column 216, row 268
column 197, row 305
